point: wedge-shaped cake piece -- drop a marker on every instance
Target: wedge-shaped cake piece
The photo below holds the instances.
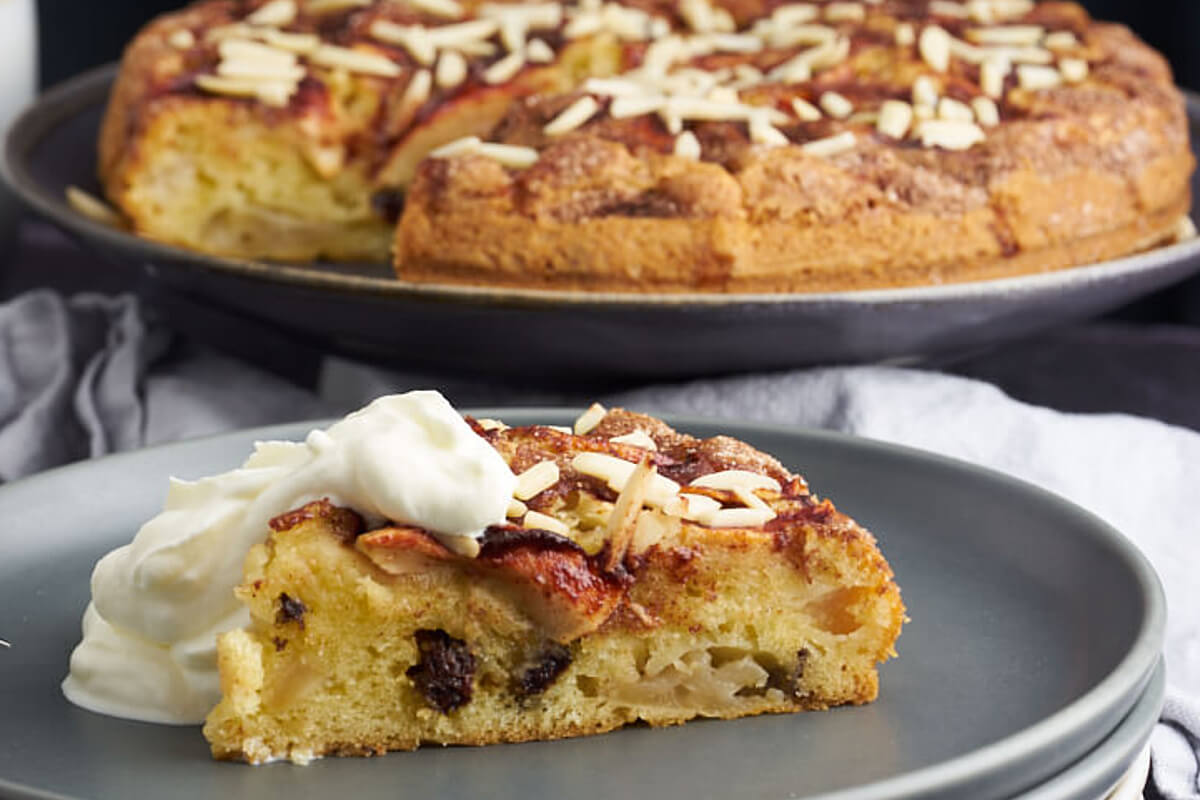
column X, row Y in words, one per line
column 643, row 575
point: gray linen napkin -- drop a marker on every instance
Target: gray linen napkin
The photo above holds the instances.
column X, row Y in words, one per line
column 86, row 376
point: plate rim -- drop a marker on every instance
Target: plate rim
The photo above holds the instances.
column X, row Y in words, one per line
column 72, row 96
column 1130, row 739
column 1135, row 669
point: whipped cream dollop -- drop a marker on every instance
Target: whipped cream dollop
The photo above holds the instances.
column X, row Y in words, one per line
column 158, row 603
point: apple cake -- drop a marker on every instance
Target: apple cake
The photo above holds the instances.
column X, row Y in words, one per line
column 651, row 145
column 642, row 575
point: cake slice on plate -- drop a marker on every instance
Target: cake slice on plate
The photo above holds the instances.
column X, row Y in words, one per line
column 643, row 574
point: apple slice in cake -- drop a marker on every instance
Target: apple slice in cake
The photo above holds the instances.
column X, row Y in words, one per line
column 643, row 575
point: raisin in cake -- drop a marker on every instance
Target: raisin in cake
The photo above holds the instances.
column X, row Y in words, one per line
column 643, row 575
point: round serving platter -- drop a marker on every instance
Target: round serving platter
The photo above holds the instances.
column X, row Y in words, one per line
column 1035, row 631
column 363, row 310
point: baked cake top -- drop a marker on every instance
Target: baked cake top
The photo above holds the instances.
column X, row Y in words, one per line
column 693, row 78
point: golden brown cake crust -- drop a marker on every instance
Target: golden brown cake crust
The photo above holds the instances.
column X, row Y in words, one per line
column 1073, row 174
column 363, row 642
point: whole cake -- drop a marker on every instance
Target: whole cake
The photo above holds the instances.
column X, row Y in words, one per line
column 646, row 575
column 651, row 145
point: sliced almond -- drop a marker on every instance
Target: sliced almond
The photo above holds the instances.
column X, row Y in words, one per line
column 805, row 111
column 275, row 13
column 181, row 39
column 1017, row 55
column 950, row 134
column 412, row 38
column 652, row 527
column 467, row 144
column 572, row 117
column 1060, row 40
column 516, row 509
column 723, row 94
column 360, row 61
column 729, row 479
column 749, row 498
column 992, row 11
column 489, row 424
column 1074, row 70
column 905, row 34
column 948, row 8
column 934, row 46
column 636, row 106
column 545, row 522
column 616, row 471
column 622, row 521
column 251, row 51
column 93, row 207
column 505, row 69
column 895, row 118
column 416, row 93
column 451, row 70
column 831, row 145
column 738, row 518
column 686, row 146
column 260, row 70
column 462, row 33
column 992, row 74
column 272, row 93
column 301, row 43
column 535, row 480
column 589, row 419
column 836, row 105
column 1034, row 78
column 460, row 544
column 845, row 12
column 638, row 437
column 1007, row 34
column 509, row 155
column 449, row 9
column 925, row 91
column 802, row 36
column 792, row 14
column 538, row 52
column 695, row 506
column 949, row 108
column 986, row 111
column 764, row 133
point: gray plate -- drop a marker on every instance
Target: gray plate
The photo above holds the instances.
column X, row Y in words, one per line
column 363, row 309
column 1093, row 776
column 1035, row 628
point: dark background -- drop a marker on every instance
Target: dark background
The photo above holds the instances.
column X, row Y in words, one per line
column 76, row 35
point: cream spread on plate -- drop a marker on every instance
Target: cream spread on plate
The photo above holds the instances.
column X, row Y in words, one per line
column 158, row 603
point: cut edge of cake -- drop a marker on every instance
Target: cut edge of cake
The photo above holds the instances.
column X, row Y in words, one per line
column 592, row 608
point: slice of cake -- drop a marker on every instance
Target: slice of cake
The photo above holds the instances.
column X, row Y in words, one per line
column 643, row 575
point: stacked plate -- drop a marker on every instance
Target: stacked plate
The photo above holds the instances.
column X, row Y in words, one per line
column 1030, row 668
